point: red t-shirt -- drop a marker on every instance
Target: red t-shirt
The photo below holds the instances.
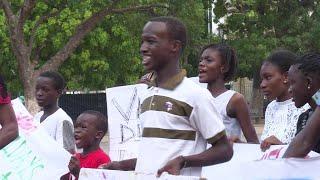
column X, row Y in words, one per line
column 93, row 159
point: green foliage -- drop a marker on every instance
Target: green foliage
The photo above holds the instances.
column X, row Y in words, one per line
column 109, row 55
column 255, row 28
column 8, row 65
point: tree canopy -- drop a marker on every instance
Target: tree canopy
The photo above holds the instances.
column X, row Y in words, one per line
column 108, row 55
column 256, row 27
column 94, row 44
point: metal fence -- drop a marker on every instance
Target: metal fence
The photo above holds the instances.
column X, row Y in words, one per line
column 74, row 103
column 245, row 87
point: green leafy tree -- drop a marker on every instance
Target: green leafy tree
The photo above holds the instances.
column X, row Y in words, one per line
column 94, row 44
column 31, row 25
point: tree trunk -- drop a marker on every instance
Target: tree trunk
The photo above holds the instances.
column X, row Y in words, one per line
column 29, row 77
column 256, row 105
column 29, row 93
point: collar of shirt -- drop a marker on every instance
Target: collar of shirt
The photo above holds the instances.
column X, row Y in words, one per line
column 171, row 83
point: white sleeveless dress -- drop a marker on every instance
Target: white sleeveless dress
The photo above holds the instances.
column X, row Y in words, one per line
column 232, row 125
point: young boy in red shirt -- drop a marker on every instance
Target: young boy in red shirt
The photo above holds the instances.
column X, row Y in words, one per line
column 90, row 128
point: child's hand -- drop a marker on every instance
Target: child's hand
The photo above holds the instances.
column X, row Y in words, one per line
column 272, row 140
column 74, row 166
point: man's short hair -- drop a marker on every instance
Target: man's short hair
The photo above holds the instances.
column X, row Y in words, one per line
column 176, row 29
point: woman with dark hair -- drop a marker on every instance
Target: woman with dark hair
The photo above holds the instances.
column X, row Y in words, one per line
column 281, row 115
column 8, row 122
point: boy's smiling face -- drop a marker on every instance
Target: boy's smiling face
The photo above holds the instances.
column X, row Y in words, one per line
column 86, row 133
column 156, row 46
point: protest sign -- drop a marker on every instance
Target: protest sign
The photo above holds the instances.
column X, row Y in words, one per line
column 124, row 125
column 249, row 162
column 89, row 174
column 34, row 155
column 125, row 133
column 24, row 118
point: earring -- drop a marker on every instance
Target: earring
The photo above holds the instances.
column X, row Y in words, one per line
column 285, row 81
column 309, row 87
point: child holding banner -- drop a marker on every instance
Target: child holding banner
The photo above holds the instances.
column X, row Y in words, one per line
column 49, row 87
column 8, row 122
column 178, row 117
column 281, row 114
column 90, row 128
column 304, row 77
column 217, row 66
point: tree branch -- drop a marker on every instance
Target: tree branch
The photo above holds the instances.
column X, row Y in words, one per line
column 137, row 8
column 84, row 28
column 36, row 26
column 17, row 38
column 25, row 11
column 14, row 39
column 37, row 53
column 11, row 18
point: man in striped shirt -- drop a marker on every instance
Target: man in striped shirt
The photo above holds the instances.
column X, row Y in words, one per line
column 178, row 116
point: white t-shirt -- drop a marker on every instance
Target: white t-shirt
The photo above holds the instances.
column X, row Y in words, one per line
column 281, row 120
column 59, row 126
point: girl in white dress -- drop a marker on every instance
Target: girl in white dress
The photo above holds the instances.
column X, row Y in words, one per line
column 217, row 66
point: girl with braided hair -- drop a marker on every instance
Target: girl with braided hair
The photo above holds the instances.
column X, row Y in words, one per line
column 304, row 78
column 217, row 66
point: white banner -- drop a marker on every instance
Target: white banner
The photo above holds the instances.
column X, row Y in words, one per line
column 249, row 162
column 125, row 133
column 124, row 125
column 90, row 174
column 34, row 154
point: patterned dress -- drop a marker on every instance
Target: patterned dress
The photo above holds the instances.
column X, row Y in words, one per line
column 281, row 120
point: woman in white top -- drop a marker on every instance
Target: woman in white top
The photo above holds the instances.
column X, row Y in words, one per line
column 53, row 119
column 281, row 115
column 217, row 65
